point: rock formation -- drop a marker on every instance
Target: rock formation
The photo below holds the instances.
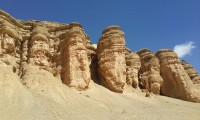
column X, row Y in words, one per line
column 177, row 83
column 193, row 74
column 75, row 59
column 43, row 48
column 150, row 78
column 39, row 47
column 9, row 47
column 40, row 54
column 133, row 64
column 8, row 39
column 111, row 59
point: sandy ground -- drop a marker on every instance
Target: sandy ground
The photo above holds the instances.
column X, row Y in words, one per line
column 53, row 100
column 97, row 103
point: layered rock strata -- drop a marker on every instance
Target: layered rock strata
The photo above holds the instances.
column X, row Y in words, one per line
column 111, row 59
column 133, row 64
column 38, row 48
column 193, row 74
column 75, row 60
column 150, row 78
column 10, row 45
column 40, row 54
column 177, row 83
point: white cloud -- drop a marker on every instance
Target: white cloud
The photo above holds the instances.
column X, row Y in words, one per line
column 184, row 49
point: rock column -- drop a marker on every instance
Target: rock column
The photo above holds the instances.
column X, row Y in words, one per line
column 177, row 83
column 193, row 74
column 75, row 66
column 111, row 59
column 133, row 64
column 39, row 50
column 150, row 71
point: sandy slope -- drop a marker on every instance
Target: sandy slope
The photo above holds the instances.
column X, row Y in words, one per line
column 61, row 103
column 53, row 100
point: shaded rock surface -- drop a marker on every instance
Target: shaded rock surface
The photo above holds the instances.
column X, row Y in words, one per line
column 150, row 78
column 133, row 64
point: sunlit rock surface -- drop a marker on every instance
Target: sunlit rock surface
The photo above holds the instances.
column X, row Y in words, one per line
column 48, row 58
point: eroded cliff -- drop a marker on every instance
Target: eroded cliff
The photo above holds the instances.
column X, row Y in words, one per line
column 42, row 54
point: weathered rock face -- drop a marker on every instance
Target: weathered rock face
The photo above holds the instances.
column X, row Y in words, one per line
column 9, row 49
column 111, row 59
column 193, row 74
column 76, row 64
column 40, row 48
column 7, row 41
column 133, row 64
column 150, row 71
column 40, row 54
column 177, row 83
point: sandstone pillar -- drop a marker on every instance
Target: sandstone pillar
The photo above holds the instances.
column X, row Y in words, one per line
column 111, row 59
column 150, row 71
column 39, row 50
column 177, row 83
column 76, row 71
column 133, row 64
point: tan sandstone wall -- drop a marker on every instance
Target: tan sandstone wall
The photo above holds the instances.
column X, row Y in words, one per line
column 46, row 56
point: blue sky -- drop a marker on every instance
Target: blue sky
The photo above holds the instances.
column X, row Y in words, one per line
column 152, row 24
